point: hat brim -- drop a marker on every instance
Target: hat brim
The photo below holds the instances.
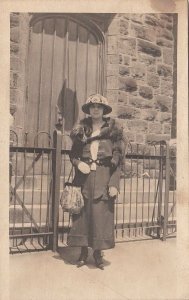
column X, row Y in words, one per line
column 107, row 108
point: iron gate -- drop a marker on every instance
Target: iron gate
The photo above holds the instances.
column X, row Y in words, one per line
column 145, row 207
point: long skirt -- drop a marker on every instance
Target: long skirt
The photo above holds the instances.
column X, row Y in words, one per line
column 94, row 226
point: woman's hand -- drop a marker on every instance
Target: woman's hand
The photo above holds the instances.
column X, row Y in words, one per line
column 113, row 191
column 83, row 167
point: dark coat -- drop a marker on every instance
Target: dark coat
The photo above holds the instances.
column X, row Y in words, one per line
column 110, row 146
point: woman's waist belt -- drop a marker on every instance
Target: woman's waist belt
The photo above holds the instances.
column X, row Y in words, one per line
column 106, row 161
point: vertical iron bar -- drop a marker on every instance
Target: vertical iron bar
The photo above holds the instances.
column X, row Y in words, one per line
column 24, row 182
column 48, row 192
column 149, row 190
column 130, row 200
column 143, row 193
column 116, row 202
column 41, row 189
column 33, row 188
column 56, row 167
column 166, row 197
column 40, row 79
column 15, row 187
column 124, row 193
column 160, row 190
column 155, row 189
column 136, row 197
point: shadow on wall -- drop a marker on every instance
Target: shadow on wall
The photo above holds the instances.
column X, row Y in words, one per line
column 68, row 107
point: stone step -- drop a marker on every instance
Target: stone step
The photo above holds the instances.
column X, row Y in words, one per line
column 40, row 213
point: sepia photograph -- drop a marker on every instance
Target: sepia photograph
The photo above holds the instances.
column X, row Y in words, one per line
column 93, row 122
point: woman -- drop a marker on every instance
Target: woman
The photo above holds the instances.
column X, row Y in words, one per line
column 96, row 155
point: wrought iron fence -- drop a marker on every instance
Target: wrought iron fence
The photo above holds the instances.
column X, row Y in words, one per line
column 145, row 207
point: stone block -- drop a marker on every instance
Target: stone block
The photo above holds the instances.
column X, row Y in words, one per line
column 138, row 125
column 149, row 48
column 126, row 60
column 140, row 138
column 131, row 136
column 166, row 88
column 168, row 56
column 167, row 128
column 151, row 20
column 149, row 115
column 127, row 84
column 137, row 18
column 146, row 92
column 164, row 70
column 140, row 102
column 112, row 95
column 157, row 91
column 162, row 23
column 120, row 59
column 151, row 68
column 169, row 26
column 15, row 35
column 152, row 137
column 113, row 28
column 112, row 69
column 127, row 46
column 112, row 82
column 164, row 42
column 153, row 80
column 112, row 44
column 124, row 27
column 124, row 16
column 148, row 60
column 122, row 97
column 163, row 103
column 138, row 70
column 167, row 34
column 127, row 112
column 113, row 58
column 14, row 20
column 155, row 127
column 142, row 32
column 165, row 117
column 124, row 70
column 167, row 17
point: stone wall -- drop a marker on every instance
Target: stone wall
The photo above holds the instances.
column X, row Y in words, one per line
column 140, row 49
column 140, row 74
column 19, row 34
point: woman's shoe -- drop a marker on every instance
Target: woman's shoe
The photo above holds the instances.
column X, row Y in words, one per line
column 83, row 257
column 98, row 259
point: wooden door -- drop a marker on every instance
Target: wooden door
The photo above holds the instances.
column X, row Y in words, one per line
column 64, row 68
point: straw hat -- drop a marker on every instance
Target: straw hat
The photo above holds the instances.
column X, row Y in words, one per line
column 99, row 99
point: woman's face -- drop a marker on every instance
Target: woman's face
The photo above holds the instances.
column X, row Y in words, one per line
column 96, row 111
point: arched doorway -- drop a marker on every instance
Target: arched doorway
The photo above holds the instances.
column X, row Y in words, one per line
column 65, row 65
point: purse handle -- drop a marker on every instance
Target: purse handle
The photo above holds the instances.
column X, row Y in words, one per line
column 68, row 181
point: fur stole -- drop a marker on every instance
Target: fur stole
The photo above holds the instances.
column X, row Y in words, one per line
column 110, row 130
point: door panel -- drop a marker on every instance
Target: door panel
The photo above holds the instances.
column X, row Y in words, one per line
column 64, row 69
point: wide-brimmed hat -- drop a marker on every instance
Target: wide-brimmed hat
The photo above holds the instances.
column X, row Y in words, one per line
column 99, row 99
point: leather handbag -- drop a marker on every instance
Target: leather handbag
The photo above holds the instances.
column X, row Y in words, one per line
column 71, row 199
